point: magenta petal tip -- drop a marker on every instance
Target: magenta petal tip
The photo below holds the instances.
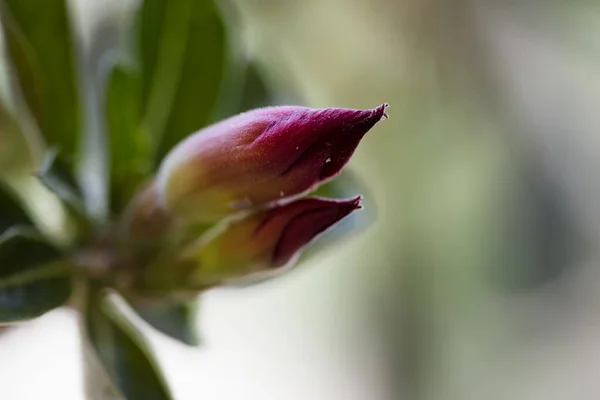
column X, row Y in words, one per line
column 381, row 111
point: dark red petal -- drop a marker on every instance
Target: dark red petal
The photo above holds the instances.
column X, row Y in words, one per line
column 335, row 135
column 320, row 215
column 346, row 141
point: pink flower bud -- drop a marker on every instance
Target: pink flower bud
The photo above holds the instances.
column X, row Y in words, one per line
column 263, row 241
column 258, row 157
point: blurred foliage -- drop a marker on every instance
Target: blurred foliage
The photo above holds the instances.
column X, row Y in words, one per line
column 183, row 52
column 41, row 46
column 33, row 280
column 13, row 144
column 175, row 319
column 122, row 351
column 130, row 146
column 12, row 212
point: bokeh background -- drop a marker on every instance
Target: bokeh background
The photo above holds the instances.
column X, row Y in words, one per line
column 478, row 277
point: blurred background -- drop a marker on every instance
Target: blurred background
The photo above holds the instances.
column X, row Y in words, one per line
column 478, row 278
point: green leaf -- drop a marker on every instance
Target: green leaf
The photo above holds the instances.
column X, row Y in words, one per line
column 11, row 212
column 255, row 91
column 175, row 319
column 123, row 351
column 33, row 294
column 23, row 248
column 245, row 89
column 33, row 279
column 183, row 50
column 14, row 149
column 130, row 147
column 57, row 177
column 40, row 46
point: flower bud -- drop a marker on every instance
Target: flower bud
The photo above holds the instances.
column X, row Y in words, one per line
column 260, row 242
column 257, row 157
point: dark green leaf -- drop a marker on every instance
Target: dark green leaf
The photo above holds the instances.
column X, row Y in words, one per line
column 123, row 352
column 11, row 212
column 175, row 319
column 22, row 249
column 248, row 88
column 33, row 293
column 33, row 280
column 244, row 89
column 130, row 151
column 183, row 49
column 57, row 177
column 40, row 46
column 255, row 91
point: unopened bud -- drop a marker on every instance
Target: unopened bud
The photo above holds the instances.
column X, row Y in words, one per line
column 261, row 242
column 258, row 157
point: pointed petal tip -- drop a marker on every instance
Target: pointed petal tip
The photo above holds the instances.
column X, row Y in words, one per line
column 305, row 225
column 380, row 112
column 355, row 202
column 348, row 206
